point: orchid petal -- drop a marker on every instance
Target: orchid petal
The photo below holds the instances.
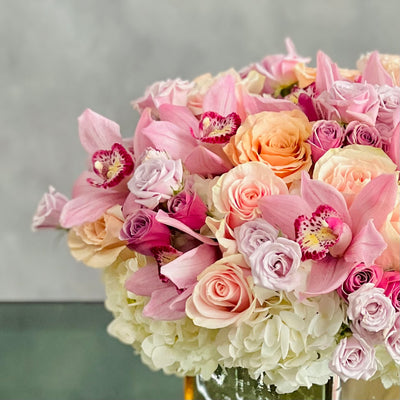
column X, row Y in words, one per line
column 376, row 200
column 141, row 141
column 374, row 72
column 366, row 246
column 183, row 271
column 221, row 97
column 200, row 160
column 89, row 207
column 394, row 147
column 145, row 281
column 164, row 218
column 97, row 132
column 316, row 192
column 282, row 210
column 254, row 104
column 325, row 276
column 327, row 73
column 180, row 116
column 159, row 306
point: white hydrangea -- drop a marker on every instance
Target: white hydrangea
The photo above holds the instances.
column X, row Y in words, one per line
column 388, row 370
column 291, row 342
column 176, row 347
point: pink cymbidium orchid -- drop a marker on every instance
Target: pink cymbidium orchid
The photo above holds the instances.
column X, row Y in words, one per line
column 374, row 72
column 332, row 235
column 104, row 185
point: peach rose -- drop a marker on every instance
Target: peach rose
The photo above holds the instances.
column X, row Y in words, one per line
column 350, row 168
column 277, row 139
column 222, row 295
column 97, row 244
column 237, row 192
column 390, row 258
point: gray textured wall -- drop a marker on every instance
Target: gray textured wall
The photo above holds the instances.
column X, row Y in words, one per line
column 59, row 57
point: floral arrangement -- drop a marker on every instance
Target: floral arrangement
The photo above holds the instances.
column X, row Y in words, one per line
column 251, row 221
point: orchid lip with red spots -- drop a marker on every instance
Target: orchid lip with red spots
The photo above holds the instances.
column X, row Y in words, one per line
column 317, row 234
column 218, row 129
column 112, row 166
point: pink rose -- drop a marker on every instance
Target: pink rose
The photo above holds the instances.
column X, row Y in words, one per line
column 164, row 92
column 253, row 234
column 371, row 312
column 274, row 265
column 389, row 111
column 49, row 210
column 353, row 358
column 188, row 208
column 156, row 179
column 360, row 133
column 392, row 340
column 143, row 232
column 325, row 135
column 347, row 101
column 358, row 276
column 391, row 284
column 238, row 191
column 222, row 295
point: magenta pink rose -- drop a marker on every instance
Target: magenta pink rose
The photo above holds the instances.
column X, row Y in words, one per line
column 353, row 358
column 143, row 232
column 325, row 135
column 392, row 340
column 164, row 92
column 360, row 133
column 391, row 284
column 222, row 295
column 188, row 208
column 49, row 210
column 348, row 101
column 358, row 276
column 371, row 312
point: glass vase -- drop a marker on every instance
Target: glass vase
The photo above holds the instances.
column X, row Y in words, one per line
column 236, row 384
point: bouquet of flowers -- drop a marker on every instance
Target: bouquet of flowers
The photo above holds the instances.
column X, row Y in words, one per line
column 251, row 221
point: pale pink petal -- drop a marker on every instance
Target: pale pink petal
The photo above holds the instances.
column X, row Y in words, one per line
column 140, row 141
column 182, row 117
column 200, row 160
column 159, row 306
column 316, row 192
column 394, row 147
column 183, row 271
column 89, row 207
column 326, row 276
column 164, row 218
column 97, row 132
column 366, row 246
column 282, row 210
column 374, row 72
column 375, row 201
column 221, row 97
column 327, row 73
column 254, row 104
column 145, row 281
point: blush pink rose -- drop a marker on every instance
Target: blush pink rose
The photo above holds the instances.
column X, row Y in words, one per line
column 353, row 358
column 348, row 101
column 143, row 232
column 238, row 191
column 389, row 111
column 325, row 135
column 371, row 313
column 164, row 92
column 188, row 208
column 358, row 276
column 222, row 295
column 391, row 284
column 48, row 211
column 392, row 340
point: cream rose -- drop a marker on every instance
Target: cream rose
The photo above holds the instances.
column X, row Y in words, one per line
column 97, row 244
column 238, row 191
column 222, row 295
column 277, row 139
column 350, row 168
